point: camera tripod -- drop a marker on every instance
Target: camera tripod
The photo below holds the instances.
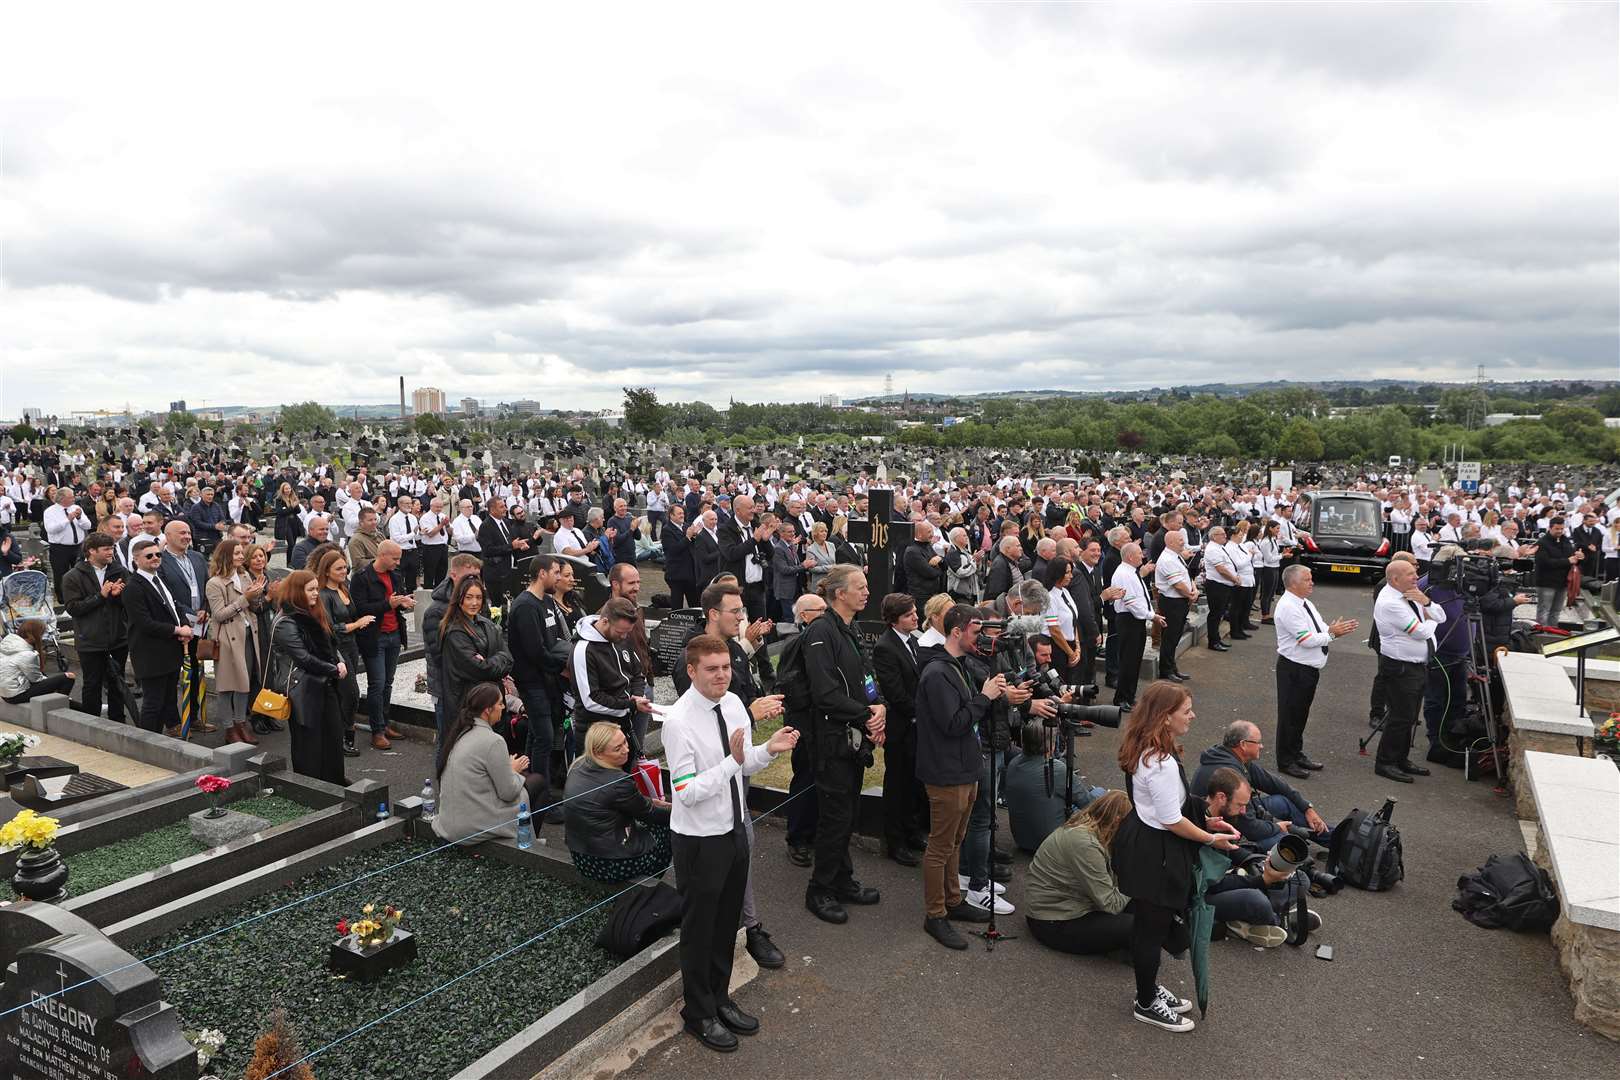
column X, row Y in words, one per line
column 1478, row 674
column 990, row 934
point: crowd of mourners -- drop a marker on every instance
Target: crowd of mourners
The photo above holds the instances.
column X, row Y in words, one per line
column 283, row 583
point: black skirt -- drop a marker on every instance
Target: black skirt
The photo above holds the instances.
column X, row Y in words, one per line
column 1154, row 865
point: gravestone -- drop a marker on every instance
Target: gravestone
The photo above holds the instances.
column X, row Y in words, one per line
column 885, row 542
column 77, row 1007
column 668, row 639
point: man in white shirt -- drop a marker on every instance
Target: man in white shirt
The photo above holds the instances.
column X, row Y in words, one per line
column 464, row 529
column 402, row 530
column 1220, row 582
column 66, row 526
column 434, row 543
column 706, row 740
column 1303, row 637
column 1176, row 594
column 568, row 540
column 1133, row 611
column 1406, row 622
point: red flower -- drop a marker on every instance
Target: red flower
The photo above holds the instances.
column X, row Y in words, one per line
column 343, row 926
column 389, row 911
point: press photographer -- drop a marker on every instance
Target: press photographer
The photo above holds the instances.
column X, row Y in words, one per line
column 1278, row 807
column 1258, row 900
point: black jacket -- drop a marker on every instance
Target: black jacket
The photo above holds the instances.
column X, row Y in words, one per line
column 606, row 676
column 897, row 673
column 705, row 558
column 678, row 565
column 169, row 571
column 1496, row 615
column 605, row 817
column 438, row 602
column 495, row 545
column 950, row 711
column 303, row 665
column 370, row 597
column 737, row 543
column 835, row 669
column 460, row 668
column 538, row 636
column 1000, row 578
column 1257, row 824
column 1589, row 541
column 1552, row 561
column 99, row 623
column 923, row 579
column 794, row 686
column 1086, row 589
column 153, row 648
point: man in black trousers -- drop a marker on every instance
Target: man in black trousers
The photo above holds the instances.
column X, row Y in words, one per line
column 158, row 634
column 1220, row 576
column 1133, row 613
column 1176, row 590
column 894, row 659
column 93, row 592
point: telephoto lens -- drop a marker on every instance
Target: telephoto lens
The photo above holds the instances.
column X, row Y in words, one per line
column 1290, row 854
column 1106, row 715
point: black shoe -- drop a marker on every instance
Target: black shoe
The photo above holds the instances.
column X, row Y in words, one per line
column 1410, row 769
column 1125, row 708
column 1451, row 759
column 350, row 750
column 1109, row 681
column 943, row 932
column 713, row 1034
column 856, row 893
column 1178, row 676
column 904, row 856
column 1220, row 646
column 1237, row 637
column 1296, row 770
column 1391, row 772
column 801, row 856
column 273, row 724
column 763, row 950
column 1251, row 627
column 258, row 724
column 737, row 1021
column 1309, row 763
column 917, row 842
column 966, row 912
column 826, row 908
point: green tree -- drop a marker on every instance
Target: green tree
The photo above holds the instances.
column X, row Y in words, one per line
column 307, row 416
column 1217, row 446
column 1300, row 442
column 642, row 412
column 180, row 420
column 430, row 424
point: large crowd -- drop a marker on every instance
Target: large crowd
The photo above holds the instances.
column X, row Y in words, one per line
column 286, row 582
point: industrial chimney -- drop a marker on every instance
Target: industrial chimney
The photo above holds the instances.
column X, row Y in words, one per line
column 402, row 397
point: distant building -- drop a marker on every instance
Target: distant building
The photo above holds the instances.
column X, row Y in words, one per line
column 831, row 401
column 1497, row 419
column 428, row 400
column 524, row 407
column 178, row 406
column 470, row 407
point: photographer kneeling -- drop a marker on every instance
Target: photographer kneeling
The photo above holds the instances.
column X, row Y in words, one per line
column 1072, row 902
column 1255, row 900
column 1035, row 808
column 1277, row 808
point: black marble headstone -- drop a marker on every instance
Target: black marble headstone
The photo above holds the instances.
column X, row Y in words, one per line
column 77, row 1007
column 885, row 542
column 668, row 639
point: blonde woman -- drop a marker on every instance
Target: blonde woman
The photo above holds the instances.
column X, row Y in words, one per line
column 614, row 832
column 822, row 554
column 1072, row 901
column 234, row 627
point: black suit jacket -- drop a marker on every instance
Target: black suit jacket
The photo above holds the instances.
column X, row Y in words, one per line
column 153, row 648
column 169, row 571
column 736, row 544
column 705, row 558
column 370, row 597
column 897, row 681
column 495, row 549
column 678, row 565
column 1086, row 588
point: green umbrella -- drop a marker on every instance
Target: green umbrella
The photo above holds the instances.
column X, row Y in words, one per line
column 1209, row 868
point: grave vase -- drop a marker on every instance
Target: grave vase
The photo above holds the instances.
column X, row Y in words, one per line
column 40, row 875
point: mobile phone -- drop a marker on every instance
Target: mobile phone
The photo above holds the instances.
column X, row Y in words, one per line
column 1324, row 952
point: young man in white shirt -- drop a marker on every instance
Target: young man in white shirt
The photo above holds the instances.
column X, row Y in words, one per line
column 706, row 739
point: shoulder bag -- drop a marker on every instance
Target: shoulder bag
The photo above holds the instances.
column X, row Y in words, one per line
column 269, row 702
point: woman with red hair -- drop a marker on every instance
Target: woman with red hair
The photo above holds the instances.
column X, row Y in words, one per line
column 306, row 666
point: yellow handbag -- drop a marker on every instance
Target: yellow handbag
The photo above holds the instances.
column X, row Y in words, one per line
column 268, row 702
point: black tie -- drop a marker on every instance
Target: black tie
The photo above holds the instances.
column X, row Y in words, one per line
column 1419, row 613
column 1314, row 623
column 725, row 745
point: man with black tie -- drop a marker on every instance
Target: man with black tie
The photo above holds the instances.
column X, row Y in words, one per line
column 1406, row 621
column 680, row 574
column 894, row 661
column 1176, row 595
column 186, row 574
column 66, row 526
column 402, row 530
column 498, row 547
column 745, row 551
column 1303, row 637
column 1133, row 612
column 1220, row 578
column 158, row 634
column 706, row 550
column 92, row 593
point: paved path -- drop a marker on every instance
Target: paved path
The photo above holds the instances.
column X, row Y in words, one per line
column 1415, row 990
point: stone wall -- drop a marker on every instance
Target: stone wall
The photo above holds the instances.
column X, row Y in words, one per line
column 1524, row 802
column 1590, row 959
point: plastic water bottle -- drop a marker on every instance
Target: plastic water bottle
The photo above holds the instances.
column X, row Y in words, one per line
column 430, row 805
column 525, row 827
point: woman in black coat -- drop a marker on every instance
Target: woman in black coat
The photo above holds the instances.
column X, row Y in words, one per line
column 472, row 648
column 289, row 525
column 307, row 668
column 332, row 571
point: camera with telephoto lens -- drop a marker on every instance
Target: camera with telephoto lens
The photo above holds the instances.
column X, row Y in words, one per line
column 1047, row 685
column 1007, row 640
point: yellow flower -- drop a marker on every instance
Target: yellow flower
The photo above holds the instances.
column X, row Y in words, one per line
column 368, row 909
column 34, row 830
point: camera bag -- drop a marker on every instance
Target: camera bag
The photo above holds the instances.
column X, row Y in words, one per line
column 1366, row 850
column 1512, row 892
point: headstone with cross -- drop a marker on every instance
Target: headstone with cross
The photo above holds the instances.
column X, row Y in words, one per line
column 885, row 541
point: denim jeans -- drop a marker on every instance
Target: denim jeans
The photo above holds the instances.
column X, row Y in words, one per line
column 1550, row 604
column 380, row 665
column 1235, row 899
column 1283, row 810
column 976, row 847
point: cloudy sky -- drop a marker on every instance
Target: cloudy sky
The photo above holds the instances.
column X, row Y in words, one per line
column 773, row 202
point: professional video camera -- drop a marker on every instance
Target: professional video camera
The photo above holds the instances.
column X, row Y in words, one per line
column 1471, row 576
column 1011, row 636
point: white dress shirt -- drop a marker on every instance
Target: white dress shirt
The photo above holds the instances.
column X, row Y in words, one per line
column 428, row 521
column 703, row 772
column 465, row 531
column 1405, row 631
column 402, row 530
column 1243, row 561
column 65, row 525
column 567, row 537
column 1302, row 633
column 1215, row 556
column 1168, row 572
column 1135, row 602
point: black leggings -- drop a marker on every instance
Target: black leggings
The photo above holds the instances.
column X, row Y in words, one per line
column 1152, row 930
column 50, row 684
column 1090, row 935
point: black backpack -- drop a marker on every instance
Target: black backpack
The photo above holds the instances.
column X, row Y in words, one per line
column 639, row 918
column 1366, row 850
column 1512, row 892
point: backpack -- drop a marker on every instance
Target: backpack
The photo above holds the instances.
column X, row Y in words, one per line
column 639, row 918
column 1512, row 892
column 1366, row 850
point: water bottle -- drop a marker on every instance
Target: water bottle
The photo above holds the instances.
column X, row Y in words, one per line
column 525, row 827
column 430, row 805
column 382, row 810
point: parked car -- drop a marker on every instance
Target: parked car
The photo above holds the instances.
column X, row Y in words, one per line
column 1344, row 533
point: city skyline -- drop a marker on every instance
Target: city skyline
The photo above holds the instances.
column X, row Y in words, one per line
column 536, row 204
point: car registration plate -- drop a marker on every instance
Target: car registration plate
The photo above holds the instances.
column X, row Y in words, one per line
column 1343, row 568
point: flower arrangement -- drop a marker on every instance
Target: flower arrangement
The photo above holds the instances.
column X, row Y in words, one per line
column 373, row 928
column 207, row 1041
column 29, row 829
column 14, row 744
column 1607, row 735
column 212, row 786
